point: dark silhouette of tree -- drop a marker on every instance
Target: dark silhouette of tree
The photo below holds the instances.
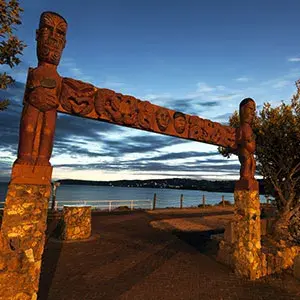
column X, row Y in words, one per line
column 10, row 45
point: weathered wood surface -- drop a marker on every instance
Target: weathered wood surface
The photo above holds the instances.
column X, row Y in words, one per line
column 85, row 100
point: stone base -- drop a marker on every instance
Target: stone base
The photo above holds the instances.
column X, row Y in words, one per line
column 22, row 240
column 76, row 222
column 268, row 263
column 241, row 248
column 28, row 174
column 247, row 244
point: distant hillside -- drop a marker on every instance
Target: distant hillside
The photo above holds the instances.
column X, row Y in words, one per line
column 173, row 183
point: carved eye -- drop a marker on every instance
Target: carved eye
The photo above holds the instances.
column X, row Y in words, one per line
column 47, row 27
column 60, row 32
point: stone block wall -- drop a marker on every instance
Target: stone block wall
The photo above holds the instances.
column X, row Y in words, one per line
column 265, row 226
column 22, row 239
column 270, row 260
column 76, row 222
column 247, row 243
column 280, row 260
column 269, row 263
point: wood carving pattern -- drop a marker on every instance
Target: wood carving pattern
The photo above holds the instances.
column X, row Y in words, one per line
column 145, row 115
column 106, row 105
column 43, row 87
column 162, row 118
column 128, row 111
column 180, row 121
column 246, row 146
column 197, row 131
column 211, row 132
column 77, row 97
column 116, row 107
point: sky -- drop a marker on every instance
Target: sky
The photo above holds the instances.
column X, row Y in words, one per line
column 197, row 57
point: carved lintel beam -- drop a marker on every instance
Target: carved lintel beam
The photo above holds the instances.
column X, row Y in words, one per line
column 85, row 100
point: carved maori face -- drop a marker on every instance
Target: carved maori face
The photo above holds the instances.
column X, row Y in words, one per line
column 247, row 111
column 51, row 37
column 179, row 122
column 162, row 118
column 145, row 114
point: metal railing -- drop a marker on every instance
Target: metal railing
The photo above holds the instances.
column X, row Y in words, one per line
column 109, row 204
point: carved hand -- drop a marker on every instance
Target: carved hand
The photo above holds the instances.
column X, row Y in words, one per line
column 43, row 99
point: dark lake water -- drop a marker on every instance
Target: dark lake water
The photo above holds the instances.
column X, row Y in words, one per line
column 84, row 194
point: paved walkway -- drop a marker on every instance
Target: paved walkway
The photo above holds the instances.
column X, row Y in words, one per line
column 132, row 260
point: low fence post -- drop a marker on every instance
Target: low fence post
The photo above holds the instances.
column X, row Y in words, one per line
column 154, row 201
column 223, row 200
column 203, row 200
column 131, row 204
column 181, row 200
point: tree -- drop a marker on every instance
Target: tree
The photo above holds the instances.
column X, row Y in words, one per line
column 277, row 154
column 10, row 45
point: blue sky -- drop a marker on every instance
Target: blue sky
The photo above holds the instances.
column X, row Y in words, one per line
column 198, row 57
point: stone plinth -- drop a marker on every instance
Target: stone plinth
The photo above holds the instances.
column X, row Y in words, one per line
column 76, row 222
column 247, row 243
column 22, row 240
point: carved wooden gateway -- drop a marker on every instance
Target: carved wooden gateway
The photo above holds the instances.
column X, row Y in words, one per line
column 24, row 221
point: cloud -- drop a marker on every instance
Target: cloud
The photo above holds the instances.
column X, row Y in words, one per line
column 188, row 105
column 282, row 83
column 223, row 117
column 230, row 96
column 69, row 68
column 294, row 59
column 202, row 87
column 180, row 155
column 157, row 97
column 214, row 93
column 111, row 82
column 242, row 79
column 209, row 103
column 155, row 166
column 290, row 77
column 15, row 93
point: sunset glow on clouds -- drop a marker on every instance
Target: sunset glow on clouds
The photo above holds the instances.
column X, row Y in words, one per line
column 195, row 57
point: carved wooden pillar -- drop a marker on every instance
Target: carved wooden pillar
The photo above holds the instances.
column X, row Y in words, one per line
column 247, row 242
column 242, row 239
column 25, row 213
